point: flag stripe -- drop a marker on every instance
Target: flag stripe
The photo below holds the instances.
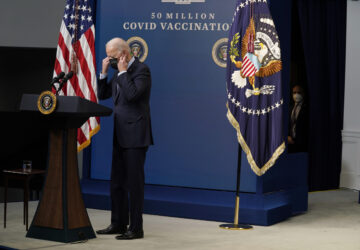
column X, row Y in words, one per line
column 90, row 57
column 248, row 68
column 86, row 71
column 66, row 55
column 63, row 47
column 90, row 37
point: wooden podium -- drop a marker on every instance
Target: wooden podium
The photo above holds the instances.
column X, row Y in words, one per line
column 61, row 214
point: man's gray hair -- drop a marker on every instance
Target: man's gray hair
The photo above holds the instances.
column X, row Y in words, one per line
column 119, row 44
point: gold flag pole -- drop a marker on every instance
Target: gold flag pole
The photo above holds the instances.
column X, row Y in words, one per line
column 236, row 225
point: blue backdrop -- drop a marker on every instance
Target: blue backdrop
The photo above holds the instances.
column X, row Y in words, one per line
column 195, row 145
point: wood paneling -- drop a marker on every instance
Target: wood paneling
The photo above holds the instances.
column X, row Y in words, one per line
column 50, row 212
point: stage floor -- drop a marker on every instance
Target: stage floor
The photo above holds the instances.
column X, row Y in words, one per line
column 332, row 223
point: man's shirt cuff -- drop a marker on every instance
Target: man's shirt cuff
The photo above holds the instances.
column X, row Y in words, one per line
column 102, row 76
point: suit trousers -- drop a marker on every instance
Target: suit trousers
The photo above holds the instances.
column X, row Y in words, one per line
column 127, row 186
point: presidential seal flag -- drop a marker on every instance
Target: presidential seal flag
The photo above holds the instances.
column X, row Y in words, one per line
column 255, row 102
column 76, row 53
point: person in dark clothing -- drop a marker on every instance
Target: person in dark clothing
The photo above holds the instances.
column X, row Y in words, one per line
column 298, row 122
column 130, row 90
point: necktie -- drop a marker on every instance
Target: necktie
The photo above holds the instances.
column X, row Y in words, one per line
column 294, row 112
column 293, row 120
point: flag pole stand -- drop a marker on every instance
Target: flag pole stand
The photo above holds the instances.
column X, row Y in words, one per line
column 236, row 225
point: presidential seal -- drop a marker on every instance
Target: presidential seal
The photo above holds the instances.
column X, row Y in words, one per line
column 219, row 52
column 259, row 56
column 46, row 102
column 138, row 48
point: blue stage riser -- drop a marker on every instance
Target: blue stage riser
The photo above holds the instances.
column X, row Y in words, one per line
column 262, row 208
column 210, row 205
column 191, row 170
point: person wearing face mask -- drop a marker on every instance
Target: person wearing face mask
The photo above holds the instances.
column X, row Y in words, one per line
column 130, row 90
column 298, row 122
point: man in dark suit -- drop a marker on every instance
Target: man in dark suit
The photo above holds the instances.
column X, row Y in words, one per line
column 298, row 122
column 130, row 89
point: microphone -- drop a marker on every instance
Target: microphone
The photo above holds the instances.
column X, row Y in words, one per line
column 67, row 77
column 64, row 80
column 57, row 78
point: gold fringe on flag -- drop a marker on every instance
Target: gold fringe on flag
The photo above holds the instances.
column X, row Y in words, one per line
column 258, row 171
column 88, row 141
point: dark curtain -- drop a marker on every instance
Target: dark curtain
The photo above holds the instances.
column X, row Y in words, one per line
column 323, row 32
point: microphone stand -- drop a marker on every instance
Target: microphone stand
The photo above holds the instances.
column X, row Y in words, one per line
column 57, row 79
column 63, row 81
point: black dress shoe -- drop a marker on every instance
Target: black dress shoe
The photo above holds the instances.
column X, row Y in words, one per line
column 112, row 229
column 129, row 235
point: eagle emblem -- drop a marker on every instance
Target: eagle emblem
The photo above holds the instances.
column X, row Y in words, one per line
column 258, row 56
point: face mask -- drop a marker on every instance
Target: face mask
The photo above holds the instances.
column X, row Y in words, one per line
column 297, row 98
column 113, row 63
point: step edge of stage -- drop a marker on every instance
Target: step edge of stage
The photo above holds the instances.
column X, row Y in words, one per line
column 264, row 215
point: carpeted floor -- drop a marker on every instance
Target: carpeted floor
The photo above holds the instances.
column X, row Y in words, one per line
column 332, row 223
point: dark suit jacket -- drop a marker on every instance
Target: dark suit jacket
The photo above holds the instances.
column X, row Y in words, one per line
column 132, row 123
column 301, row 130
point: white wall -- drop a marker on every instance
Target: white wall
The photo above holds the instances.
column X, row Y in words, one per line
column 350, row 172
column 30, row 23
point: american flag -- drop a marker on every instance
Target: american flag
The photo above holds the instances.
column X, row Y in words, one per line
column 76, row 52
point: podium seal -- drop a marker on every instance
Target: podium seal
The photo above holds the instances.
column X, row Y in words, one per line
column 46, row 102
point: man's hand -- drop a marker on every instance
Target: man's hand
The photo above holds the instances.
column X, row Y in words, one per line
column 122, row 64
column 105, row 65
